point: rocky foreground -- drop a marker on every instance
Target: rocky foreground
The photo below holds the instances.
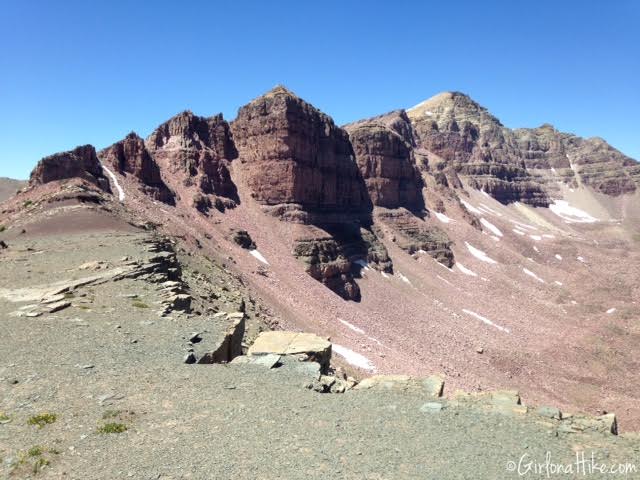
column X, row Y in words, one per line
column 116, row 370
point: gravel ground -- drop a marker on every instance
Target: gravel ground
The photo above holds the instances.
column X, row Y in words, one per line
column 104, row 361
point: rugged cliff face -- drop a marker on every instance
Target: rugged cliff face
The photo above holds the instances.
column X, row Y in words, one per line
column 472, row 141
column 300, row 166
column 80, row 162
column 384, row 154
column 295, row 154
column 131, row 156
column 197, row 151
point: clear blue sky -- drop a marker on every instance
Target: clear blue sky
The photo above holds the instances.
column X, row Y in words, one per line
column 75, row 72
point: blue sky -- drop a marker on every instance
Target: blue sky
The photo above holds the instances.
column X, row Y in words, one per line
column 75, row 72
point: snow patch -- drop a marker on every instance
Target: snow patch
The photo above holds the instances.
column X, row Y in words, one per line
column 521, row 225
column 531, row 274
column 445, row 280
column 558, row 256
column 490, row 226
column 384, row 275
column 515, row 230
column 351, row 326
column 490, row 210
column 403, row 278
column 537, row 238
column 536, row 249
column 362, row 263
column 485, row 320
column 558, row 283
column 611, row 310
column 570, row 214
column 581, row 259
column 115, row 182
column 465, row 270
column 470, row 207
column 353, row 358
column 479, row 254
column 442, row 217
column 256, row 254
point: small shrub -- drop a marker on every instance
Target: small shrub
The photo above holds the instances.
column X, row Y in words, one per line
column 42, row 419
column 112, row 428
column 139, row 304
column 39, row 463
column 35, row 451
column 4, row 418
column 27, row 203
column 2, row 228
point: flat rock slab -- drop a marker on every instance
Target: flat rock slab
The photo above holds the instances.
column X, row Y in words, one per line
column 292, row 343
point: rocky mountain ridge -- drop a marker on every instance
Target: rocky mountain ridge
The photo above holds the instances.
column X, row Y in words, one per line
column 390, row 170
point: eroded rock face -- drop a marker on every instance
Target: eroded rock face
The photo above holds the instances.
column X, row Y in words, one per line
column 81, row 162
column 414, row 235
column 198, row 151
column 300, row 166
column 466, row 136
column 295, row 154
column 131, row 156
column 383, row 151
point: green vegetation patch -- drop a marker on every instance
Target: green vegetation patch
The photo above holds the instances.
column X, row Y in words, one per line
column 112, row 427
column 42, row 419
column 139, row 304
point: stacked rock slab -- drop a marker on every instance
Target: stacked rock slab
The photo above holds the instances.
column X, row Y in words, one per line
column 81, row 162
column 196, row 151
column 130, row 156
column 300, row 166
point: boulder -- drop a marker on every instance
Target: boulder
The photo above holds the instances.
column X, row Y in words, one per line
column 306, row 345
column 228, row 346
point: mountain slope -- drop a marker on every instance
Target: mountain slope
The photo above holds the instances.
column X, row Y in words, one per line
column 9, row 187
column 434, row 239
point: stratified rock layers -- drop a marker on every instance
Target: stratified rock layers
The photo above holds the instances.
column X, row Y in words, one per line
column 131, row 156
column 80, row 162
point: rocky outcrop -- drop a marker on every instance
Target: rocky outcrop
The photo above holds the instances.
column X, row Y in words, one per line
column 383, row 152
column 196, row 151
column 130, row 156
column 294, row 154
column 468, row 138
column 414, row 235
column 81, row 162
column 300, row 166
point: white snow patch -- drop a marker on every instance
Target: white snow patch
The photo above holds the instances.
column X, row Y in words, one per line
column 353, row 358
column 465, row 270
column 489, row 209
column 580, row 259
column 497, row 239
column 521, row 225
column 611, row 310
column 558, row 256
column 470, row 207
column 443, row 265
column 351, row 326
column 258, row 256
column 570, row 214
column 536, row 249
column 444, row 280
column 485, row 194
column 362, row 263
column 546, row 235
column 531, row 274
column 384, row 275
column 403, row 278
column 115, row 182
column 479, row 254
column 515, row 230
column 485, row 320
column 558, row 283
column 442, row 217
column 495, row 230
column 537, row 238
